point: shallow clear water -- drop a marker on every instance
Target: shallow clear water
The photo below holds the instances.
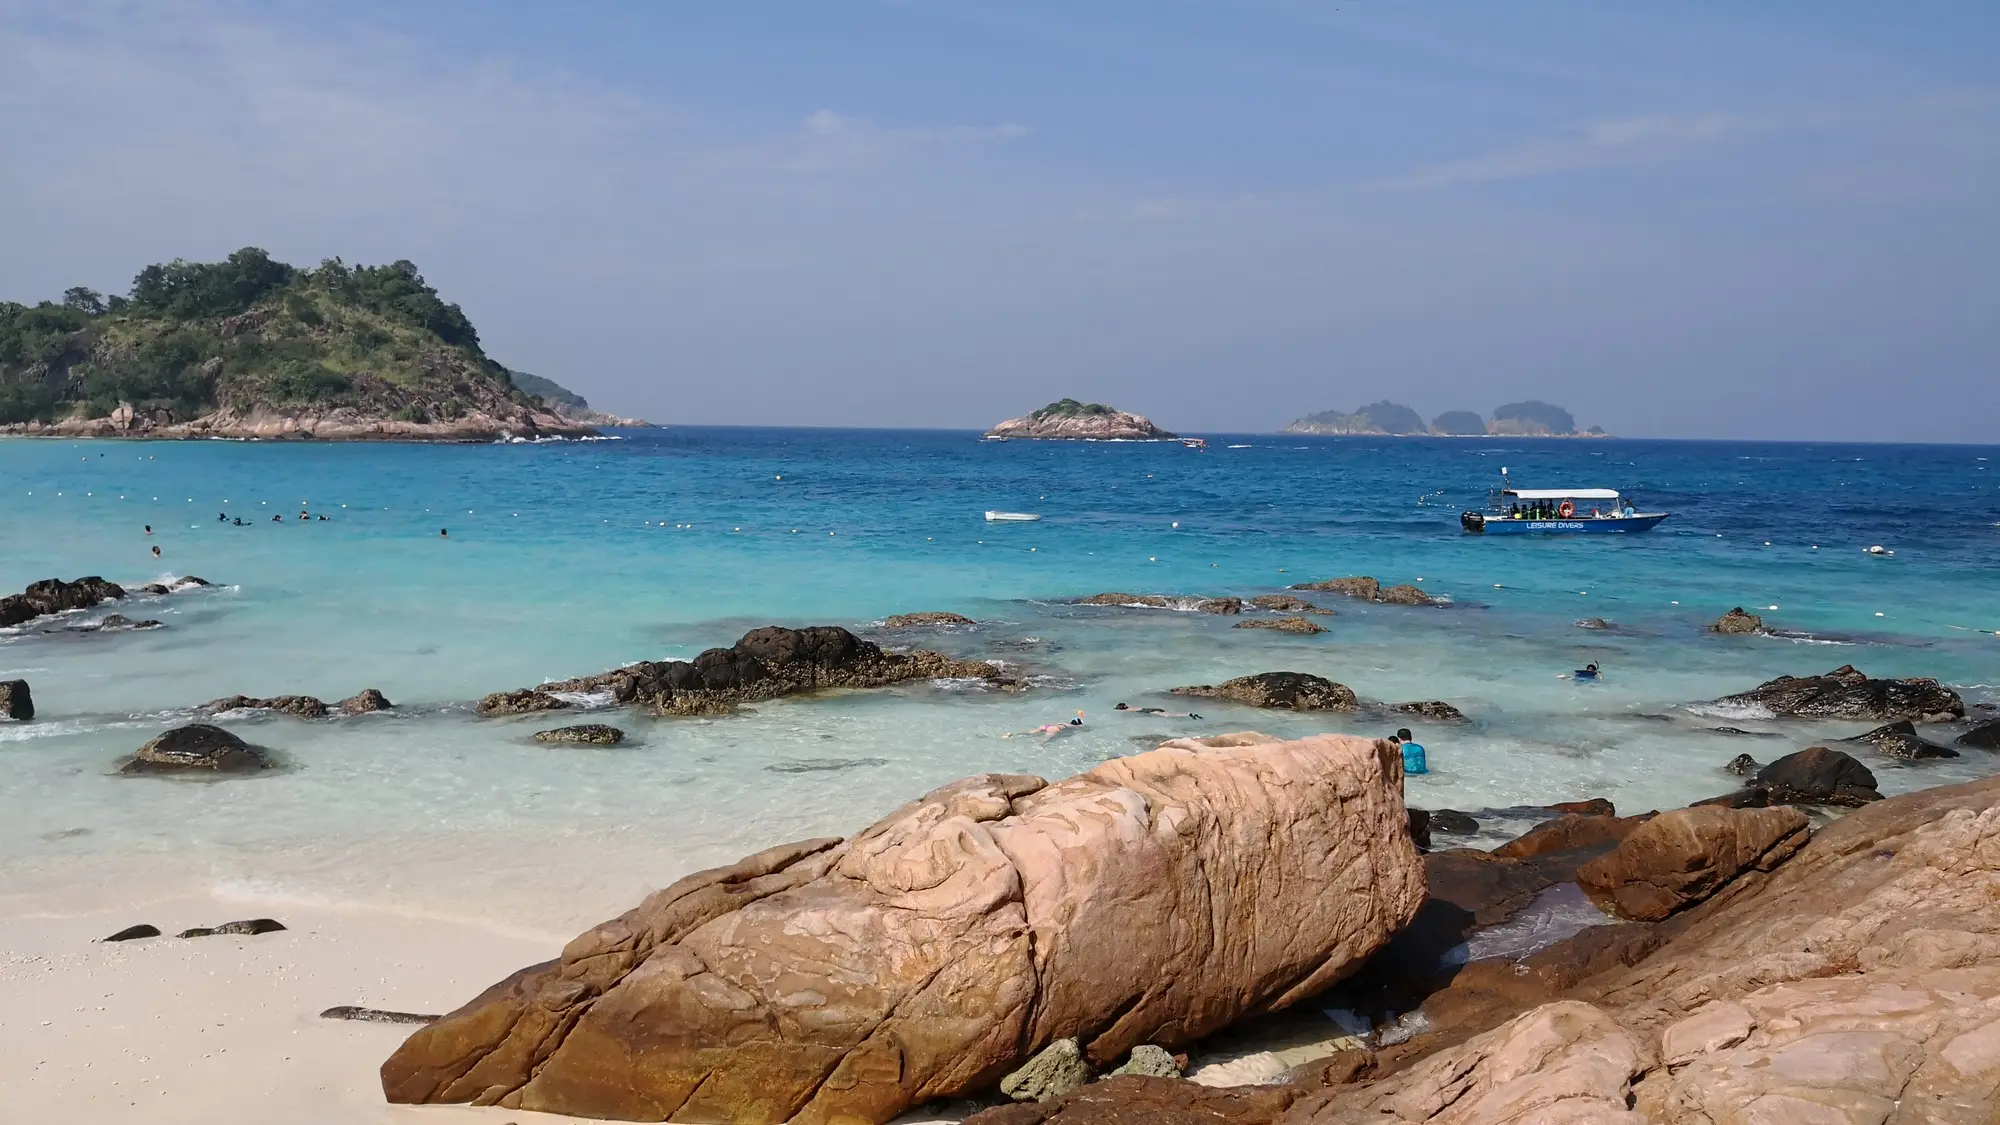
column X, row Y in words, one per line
column 570, row 558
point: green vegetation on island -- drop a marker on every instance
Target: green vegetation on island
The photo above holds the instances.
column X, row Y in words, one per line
column 210, row 344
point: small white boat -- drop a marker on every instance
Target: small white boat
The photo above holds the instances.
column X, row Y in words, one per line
column 1011, row 517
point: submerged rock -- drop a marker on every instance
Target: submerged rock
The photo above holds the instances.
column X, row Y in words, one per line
column 1298, row 625
column 1296, row 691
column 1845, row 693
column 765, row 664
column 1058, row 1069
column 365, row 702
column 1737, row 620
column 584, row 734
column 1223, row 606
column 196, row 747
column 1743, row 765
column 1679, row 858
column 1286, row 603
column 910, row 620
column 939, row 949
column 16, row 701
column 53, row 595
column 1435, row 709
column 1594, row 623
column 1900, row 740
column 1452, row 822
column 1818, row 776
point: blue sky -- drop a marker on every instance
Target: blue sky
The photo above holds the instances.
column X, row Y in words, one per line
column 1693, row 220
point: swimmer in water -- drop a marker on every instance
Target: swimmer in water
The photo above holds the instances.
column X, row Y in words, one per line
column 444, row 533
column 1046, row 730
column 1078, row 721
column 1587, row 672
column 149, row 529
column 275, row 518
column 156, row 552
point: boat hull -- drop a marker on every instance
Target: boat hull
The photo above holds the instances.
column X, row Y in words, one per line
column 1475, row 524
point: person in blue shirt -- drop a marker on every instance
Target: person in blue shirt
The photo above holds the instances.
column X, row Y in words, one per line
column 1413, row 753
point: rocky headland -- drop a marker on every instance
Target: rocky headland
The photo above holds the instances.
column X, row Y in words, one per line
column 765, row 664
column 250, row 347
column 1070, row 420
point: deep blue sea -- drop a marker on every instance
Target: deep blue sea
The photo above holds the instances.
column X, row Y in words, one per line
column 567, row 558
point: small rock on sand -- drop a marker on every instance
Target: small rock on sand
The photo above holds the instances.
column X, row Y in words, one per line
column 131, row 932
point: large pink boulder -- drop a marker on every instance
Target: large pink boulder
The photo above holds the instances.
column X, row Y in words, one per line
column 1153, row 899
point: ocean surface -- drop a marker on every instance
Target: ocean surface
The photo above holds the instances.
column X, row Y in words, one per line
column 567, row 558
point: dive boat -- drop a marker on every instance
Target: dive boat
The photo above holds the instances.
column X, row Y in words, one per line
column 1558, row 511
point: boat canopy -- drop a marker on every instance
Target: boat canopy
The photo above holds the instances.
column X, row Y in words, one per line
column 1561, row 493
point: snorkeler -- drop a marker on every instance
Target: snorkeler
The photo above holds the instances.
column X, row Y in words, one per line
column 156, row 552
column 1587, row 672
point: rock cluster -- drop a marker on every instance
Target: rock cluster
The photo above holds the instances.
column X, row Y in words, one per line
column 1298, row 625
column 297, row 706
column 53, row 595
column 1287, row 603
column 1845, row 693
column 934, row 953
column 767, row 663
column 196, row 747
column 1901, row 740
column 1369, row 590
column 1434, row 709
column 1296, row 691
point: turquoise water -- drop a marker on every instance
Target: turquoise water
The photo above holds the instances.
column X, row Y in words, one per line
column 569, row 558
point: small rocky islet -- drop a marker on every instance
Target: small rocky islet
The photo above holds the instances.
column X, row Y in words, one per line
column 1070, row 420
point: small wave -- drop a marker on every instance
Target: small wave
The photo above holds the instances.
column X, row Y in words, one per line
column 961, row 683
column 1720, row 709
column 588, row 700
column 1809, row 639
column 1253, row 447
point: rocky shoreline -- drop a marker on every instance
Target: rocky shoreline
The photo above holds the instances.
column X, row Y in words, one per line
column 503, row 421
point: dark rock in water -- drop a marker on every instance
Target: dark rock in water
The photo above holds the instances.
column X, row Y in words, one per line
column 138, row 931
column 1452, row 822
column 1297, row 691
column 1594, row 623
column 1297, row 625
column 1681, row 857
column 197, row 747
column 585, row 734
column 186, row 580
column 153, row 589
column 765, row 664
column 1362, row 587
column 249, row 926
column 1420, row 828
column 16, row 702
column 1739, row 732
column 299, row 706
column 1286, row 603
column 1845, row 693
column 375, row 1015
column 1594, row 806
column 1737, row 620
column 1404, row 595
column 53, row 595
column 1436, row 709
column 1819, row 776
column 364, row 702
column 1900, row 740
column 1743, row 765
column 120, row 621
column 1754, row 797
column 1985, row 736
column 908, row 620
column 1569, row 832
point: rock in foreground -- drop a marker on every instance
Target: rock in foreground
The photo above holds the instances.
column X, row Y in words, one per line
column 195, row 748
column 1818, row 776
column 1681, row 857
column 1068, row 419
column 1296, row 691
column 1738, row 620
column 765, row 664
column 583, row 734
column 1845, row 693
column 367, row 701
column 846, row 981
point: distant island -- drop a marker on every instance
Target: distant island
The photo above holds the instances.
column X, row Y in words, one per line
column 1070, row 420
column 251, row 347
column 1516, row 419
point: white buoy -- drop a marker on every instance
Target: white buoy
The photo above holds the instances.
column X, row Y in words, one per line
column 1770, row 607
column 1177, row 523
column 1880, row 614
